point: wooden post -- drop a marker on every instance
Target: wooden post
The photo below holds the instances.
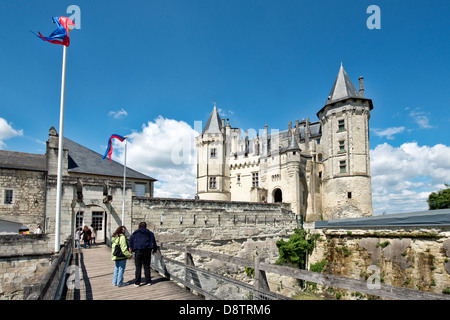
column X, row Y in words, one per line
column 190, row 275
column 260, row 277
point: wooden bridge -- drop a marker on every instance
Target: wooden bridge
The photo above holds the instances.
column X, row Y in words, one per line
column 95, row 272
column 87, row 275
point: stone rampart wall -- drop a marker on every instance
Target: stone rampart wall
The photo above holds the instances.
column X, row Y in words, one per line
column 196, row 221
column 23, row 261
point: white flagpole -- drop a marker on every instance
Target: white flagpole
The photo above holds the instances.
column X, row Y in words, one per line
column 60, row 154
column 124, row 180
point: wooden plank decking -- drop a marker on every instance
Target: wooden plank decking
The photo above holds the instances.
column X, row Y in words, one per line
column 96, row 273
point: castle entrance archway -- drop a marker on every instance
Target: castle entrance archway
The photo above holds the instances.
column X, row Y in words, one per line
column 277, row 195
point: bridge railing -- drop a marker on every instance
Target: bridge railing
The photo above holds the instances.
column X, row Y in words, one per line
column 52, row 283
column 214, row 286
column 211, row 285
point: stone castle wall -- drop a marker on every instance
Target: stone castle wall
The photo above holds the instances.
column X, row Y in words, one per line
column 194, row 221
column 24, row 259
column 28, row 202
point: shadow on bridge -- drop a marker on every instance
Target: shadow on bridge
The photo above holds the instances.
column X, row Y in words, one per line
column 91, row 279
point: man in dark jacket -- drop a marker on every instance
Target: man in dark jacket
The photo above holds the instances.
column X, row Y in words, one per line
column 143, row 244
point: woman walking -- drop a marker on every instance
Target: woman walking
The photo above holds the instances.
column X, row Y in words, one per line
column 119, row 256
column 86, row 237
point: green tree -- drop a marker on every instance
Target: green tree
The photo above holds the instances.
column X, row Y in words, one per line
column 295, row 249
column 440, row 199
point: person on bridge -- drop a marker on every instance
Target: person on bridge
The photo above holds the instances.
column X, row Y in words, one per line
column 119, row 239
column 143, row 244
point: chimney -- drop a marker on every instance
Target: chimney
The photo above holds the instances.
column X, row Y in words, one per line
column 361, row 86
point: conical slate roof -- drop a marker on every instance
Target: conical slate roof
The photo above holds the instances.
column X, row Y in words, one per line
column 214, row 124
column 342, row 88
column 293, row 145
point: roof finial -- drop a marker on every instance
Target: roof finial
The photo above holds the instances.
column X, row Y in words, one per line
column 214, row 104
column 341, row 64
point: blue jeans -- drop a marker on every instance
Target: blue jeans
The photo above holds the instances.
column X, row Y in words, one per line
column 118, row 272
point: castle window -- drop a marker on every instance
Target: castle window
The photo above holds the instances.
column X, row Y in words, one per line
column 212, row 183
column 8, row 196
column 238, row 176
column 342, row 146
column 79, row 219
column 140, row 190
column 213, row 153
column 349, row 195
column 255, row 179
column 341, row 125
column 343, row 166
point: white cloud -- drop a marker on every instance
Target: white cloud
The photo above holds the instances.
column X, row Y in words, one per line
column 389, row 132
column 225, row 113
column 421, row 118
column 118, row 114
column 164, row 150
column 403, row 177
column 7, row 132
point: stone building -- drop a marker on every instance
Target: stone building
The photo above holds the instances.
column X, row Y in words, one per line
column 321, row 168
column 92, row 191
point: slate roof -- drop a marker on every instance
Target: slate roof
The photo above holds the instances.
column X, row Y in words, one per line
column 81, row 160
column 22, row 160
column 84, row 160
column 9, row 227
column 214, row 124
column 437, row 218
column 342, row 88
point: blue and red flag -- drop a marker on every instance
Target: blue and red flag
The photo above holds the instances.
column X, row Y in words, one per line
column 109, row 150
column 61, row 34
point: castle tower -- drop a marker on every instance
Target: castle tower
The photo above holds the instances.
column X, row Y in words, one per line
column 346, row 153
column 213, row 174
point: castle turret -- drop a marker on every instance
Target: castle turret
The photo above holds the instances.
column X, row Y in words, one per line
column 213, row 176
column 346, row 153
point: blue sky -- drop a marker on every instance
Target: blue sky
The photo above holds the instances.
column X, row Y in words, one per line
column 150, row 69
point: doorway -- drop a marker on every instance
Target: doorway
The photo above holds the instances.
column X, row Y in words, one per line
column 99, row 224
column 277, row 195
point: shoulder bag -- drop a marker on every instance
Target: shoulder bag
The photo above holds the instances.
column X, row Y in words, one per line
column 118, row 250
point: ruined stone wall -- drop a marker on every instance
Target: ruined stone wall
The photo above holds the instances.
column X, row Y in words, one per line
column 24, row 259
column 405, row 257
